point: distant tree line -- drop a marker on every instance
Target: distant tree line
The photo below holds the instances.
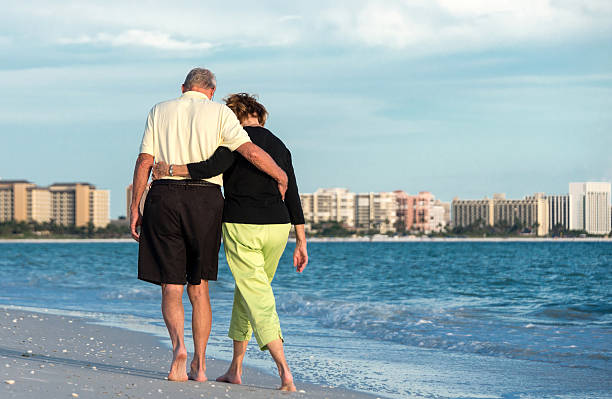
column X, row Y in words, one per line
column 505, row 229
column 51, row 229
column 478, row 229
column 324, row 229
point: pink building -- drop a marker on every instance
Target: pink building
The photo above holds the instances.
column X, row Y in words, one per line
column 418, row 212
column 423, row 203
column 405, row 211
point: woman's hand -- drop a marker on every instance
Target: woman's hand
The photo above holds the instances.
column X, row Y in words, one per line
column 160, row 170
column 300, row 256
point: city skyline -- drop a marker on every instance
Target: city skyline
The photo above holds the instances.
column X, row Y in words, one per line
column 459, row 98
column 586, row 207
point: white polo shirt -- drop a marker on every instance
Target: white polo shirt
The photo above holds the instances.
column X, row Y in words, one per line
column 189, row 129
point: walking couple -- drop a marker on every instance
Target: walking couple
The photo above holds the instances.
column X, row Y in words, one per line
column 192, row 146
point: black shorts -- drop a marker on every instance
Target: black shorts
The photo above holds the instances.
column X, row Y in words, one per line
column 181, row 232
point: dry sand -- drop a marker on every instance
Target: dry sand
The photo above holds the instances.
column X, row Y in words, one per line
column 48, row 356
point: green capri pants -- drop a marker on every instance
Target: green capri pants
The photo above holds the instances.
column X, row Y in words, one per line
column 253, row 252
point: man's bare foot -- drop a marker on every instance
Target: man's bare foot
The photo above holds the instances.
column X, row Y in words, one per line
column 289, row 387
column 199, row 375
column 178, row 369
column 231, row 377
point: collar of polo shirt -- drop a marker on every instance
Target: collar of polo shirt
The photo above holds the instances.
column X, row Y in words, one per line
column 195, row 94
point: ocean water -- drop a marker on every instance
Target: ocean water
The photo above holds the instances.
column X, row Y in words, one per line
column 401, row 320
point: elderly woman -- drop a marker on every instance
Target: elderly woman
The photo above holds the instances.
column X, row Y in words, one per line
column 256, row 224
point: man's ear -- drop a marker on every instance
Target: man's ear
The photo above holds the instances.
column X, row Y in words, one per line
column 183, row 89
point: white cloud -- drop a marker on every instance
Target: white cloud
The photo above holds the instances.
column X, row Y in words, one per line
column 286, row 18
column 137, row 37
column 452, row 25
column 413, row 26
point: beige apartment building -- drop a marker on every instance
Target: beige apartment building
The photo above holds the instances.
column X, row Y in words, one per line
column 40, row 204
column 532, row 211
column 14, row 200
column 469, row 212
column 329, row 205
column 376, row 211
column 63, row 203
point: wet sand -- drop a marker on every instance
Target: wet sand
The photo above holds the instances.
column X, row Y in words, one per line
column 50, row 356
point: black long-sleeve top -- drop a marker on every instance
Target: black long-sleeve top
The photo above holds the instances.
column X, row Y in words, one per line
column 251, row 196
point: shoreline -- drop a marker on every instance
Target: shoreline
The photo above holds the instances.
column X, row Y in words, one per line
column 330, row 239
column 54, row 355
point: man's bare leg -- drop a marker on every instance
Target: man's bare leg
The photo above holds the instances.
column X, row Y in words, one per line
column 233, row 375
column 174, row 316
column 278, row 354
column 201, row 323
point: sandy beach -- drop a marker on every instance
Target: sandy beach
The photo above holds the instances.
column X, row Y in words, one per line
column 44, row 355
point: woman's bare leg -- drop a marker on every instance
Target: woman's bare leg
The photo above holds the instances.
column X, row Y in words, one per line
column 233, row 375
column 278, row 354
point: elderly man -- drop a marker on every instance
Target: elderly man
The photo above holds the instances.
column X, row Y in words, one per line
column 181, row 226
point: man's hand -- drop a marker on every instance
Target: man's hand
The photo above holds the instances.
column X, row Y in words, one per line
column 135, row 222
column 160, row 169
column 144, row 163
column 282, row 186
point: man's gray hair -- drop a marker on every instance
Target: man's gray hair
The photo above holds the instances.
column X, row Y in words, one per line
column 200, row 77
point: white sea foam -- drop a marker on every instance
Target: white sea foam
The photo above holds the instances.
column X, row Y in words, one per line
column 423, row 321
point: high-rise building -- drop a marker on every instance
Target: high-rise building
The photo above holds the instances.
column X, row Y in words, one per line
column 421, row 212
column 14, row 200
column 376, row 211
column 329, row 205
column 437, row 216
column 470, row 212
column 423, row 204
column 447, row 211
column 558, row 210
column 405, row 211
column 40, row 206
column 531, row 212
column 589, row 205
column 64, row 203
column 99, row 207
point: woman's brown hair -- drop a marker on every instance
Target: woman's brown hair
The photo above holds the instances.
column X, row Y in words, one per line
column 244, row 105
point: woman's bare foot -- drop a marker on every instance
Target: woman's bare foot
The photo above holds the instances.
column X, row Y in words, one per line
column 178, row 369
column 231, row 377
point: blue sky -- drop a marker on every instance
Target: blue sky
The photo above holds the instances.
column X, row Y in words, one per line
column 460, row 98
